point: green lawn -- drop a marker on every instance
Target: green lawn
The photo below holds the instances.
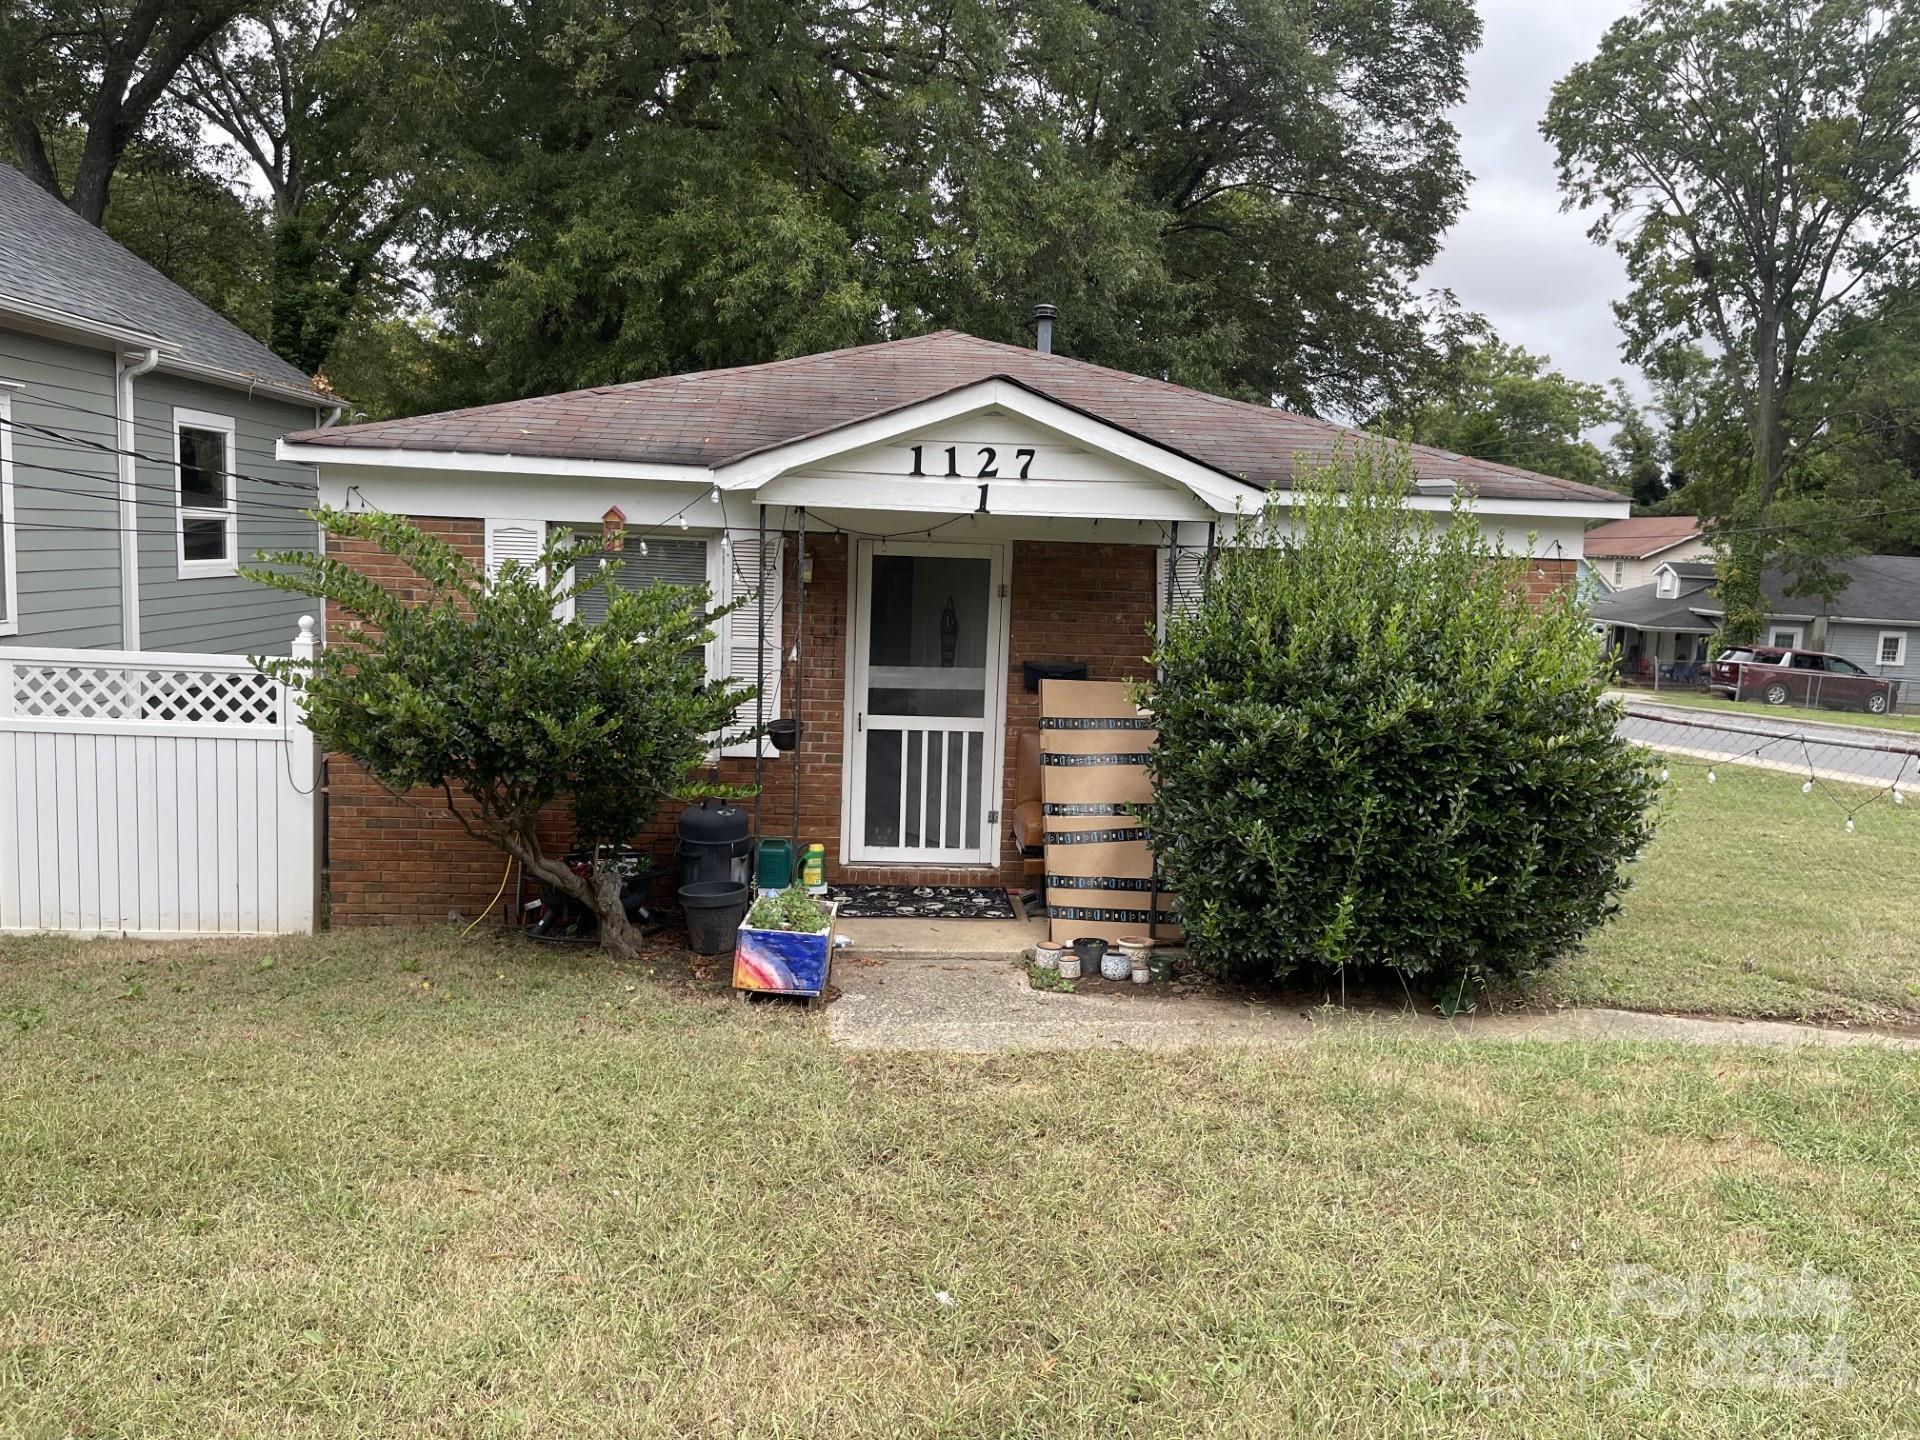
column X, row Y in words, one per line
column 1698, row 700
column 1754, row 900
column 393, row 1186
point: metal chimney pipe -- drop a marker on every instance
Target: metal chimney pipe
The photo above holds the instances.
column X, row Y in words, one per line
column 1043, row 328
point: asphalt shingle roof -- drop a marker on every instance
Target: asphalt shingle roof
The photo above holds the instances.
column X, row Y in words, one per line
column 1645, row 608
column 714, row 417
column 1878, row 587
column 50, row 257
column 1639, row 536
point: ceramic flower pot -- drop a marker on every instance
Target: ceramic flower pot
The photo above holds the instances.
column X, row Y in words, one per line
column 1069, row 965
column 1047, row 954
column 1141, row 972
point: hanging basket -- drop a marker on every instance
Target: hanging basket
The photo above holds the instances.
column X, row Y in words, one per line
column 785, row 734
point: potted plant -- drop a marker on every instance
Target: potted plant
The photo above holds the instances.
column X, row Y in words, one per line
column 786, row 944
column 1138, row 950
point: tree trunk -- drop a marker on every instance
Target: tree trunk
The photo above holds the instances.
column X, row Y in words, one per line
column 600, row 893
column 1743, row 557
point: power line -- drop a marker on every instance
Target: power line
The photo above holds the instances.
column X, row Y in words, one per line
column 159, row 428
column 112, row 493
column 102, row 447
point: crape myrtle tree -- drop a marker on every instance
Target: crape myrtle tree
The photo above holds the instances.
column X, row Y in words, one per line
column 475, row 689
column 1374, row 752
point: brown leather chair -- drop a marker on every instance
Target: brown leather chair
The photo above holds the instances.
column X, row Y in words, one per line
column 1029, row 817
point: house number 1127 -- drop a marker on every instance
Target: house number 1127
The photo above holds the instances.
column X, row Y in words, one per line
column 988, row 457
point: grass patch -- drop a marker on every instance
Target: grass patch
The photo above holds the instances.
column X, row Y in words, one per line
column 1754, row 900
column 1697, row 700
column 390, row 1185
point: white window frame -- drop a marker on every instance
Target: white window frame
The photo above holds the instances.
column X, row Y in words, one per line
column 1619, row 573
column 230, row 513
column 1774, row 632
column 9, row 550
column 1899, row 661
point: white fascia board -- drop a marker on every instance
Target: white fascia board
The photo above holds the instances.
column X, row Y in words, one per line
column 61, row 324
column 1541, row 509
column 1142, row 499
column 457, row 462
column 578, row 500
column 46, row 317
column 1219, row 490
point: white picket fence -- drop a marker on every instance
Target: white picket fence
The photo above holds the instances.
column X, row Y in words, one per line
column 154, row 794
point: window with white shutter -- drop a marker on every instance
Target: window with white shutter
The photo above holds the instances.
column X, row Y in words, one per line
column 670, row 562
column 521, row 540
column 1189, row 577
column 740, row 650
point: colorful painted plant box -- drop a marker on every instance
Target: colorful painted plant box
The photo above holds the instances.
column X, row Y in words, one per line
column 784, row 962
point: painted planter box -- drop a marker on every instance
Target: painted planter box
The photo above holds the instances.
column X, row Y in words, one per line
column 783, row 962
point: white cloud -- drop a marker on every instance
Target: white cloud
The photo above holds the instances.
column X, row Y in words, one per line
column 1513, row 255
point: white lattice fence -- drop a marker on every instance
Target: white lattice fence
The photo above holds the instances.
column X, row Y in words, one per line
column 154, row 794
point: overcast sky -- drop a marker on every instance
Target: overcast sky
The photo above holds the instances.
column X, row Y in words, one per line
column 1513, row 256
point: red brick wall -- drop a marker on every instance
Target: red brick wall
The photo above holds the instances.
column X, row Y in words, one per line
column 1550, row 577
column 403, row 859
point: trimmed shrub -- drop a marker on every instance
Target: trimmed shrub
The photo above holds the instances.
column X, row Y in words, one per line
column 1374, row 752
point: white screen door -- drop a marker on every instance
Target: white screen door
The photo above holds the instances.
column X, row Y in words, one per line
column 929, row 691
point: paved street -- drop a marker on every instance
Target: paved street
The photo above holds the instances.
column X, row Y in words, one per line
column 1838, row 752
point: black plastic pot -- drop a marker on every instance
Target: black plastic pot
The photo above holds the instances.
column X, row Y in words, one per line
column 785, row 734
column 1092, row 950
column 714, row 909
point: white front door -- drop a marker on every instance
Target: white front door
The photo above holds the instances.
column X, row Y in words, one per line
column 928, row 647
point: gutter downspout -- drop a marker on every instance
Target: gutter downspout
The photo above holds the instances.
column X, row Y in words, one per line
column 126, row 374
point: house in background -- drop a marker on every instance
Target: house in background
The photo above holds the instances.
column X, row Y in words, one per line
column 1872, row 620
column 1622, row 554
column 137, row 464
column 952, row 516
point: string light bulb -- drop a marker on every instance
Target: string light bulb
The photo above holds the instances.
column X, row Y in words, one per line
column 1807, row 789
column 643, row 547
column 1712, row 778
column 714, row 495
column 1898, row 798
column 1663, row 775
column 682, row 518
column 1849, row 825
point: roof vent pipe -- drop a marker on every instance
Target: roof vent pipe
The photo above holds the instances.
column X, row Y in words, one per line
column 1043, row 328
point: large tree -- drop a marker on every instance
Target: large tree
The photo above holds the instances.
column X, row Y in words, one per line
column 1496, row 401
column 1238, row 195
column 299, row 90
column 1755, row 163
column 99, row 68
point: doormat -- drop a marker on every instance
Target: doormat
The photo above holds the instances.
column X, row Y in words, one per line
column 922, row 902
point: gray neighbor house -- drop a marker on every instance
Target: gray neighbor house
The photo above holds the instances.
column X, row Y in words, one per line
column 1872, row 620
column 137, row 468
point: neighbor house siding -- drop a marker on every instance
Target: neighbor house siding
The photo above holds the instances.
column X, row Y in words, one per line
column 220, row 614
column 66, row 493
column 1861, row 644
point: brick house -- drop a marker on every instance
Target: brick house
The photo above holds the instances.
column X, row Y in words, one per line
column 930, row 516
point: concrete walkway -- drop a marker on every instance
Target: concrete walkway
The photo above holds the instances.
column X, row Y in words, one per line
column 980, row 1006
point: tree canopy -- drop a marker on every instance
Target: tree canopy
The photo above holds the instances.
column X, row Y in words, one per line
column 1496, row 401
column 469, row 200
column 1754, row 161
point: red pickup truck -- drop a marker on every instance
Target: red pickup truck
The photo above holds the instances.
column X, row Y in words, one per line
column 1799, row 677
